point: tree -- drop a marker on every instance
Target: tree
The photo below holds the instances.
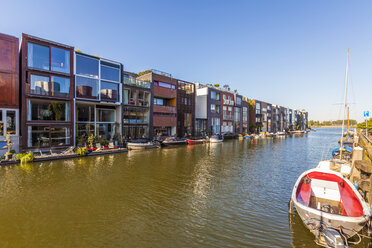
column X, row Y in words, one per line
column 362, row 125
column 143, row 72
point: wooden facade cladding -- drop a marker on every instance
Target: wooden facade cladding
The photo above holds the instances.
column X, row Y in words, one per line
column 26, row 93
column 9, row 72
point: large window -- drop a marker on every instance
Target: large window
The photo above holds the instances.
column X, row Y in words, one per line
column 109, row 91
column 105, row 115
column 38, row 56
column 215, row 95
column 158, row 101
column 60, row 60
column 11, row 122
column 87, row 66
column 48, row 111
column 39, row 85
column 86, row 88
column 45, row 136
column 38, row 136
column 110, row 73
column 59, row 136
column 60, row 86
column 85, row 112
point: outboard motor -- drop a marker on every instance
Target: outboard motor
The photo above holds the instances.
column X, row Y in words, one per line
column 332, row 238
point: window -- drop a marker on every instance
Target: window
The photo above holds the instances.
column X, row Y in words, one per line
column 87, row 66
column 126, row 96
column 158, row 101
column 11, row 122
column 45, row 136
column 105, row 115
column 48, row 111
column 213, row 108
column 110, row 73
column 215, row 95
column 59, row 136
column 165, row 85
column 239, row 101
column 38, row 136
column 85, row 112
column 60, row 86
column 105, row 130
column 109, row 91
column 60, row 60
column 86, row 88
column 38, row 56
column 39, row 85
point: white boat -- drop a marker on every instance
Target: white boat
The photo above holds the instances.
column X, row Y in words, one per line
column 141, row 145
column 324, row 199
column 216, row 139
column 280, row 133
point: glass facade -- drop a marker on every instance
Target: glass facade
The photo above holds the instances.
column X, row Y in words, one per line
column 109, row 91
column 41, row 110
column 38, row 56
column 60, row 86
column 87, row 66
column 110, row 73
column 45, row 136
column 39, row 85
column 60, row 60
column 87, row 88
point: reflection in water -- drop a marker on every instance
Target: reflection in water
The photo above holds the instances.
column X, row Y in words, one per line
column 233, row 194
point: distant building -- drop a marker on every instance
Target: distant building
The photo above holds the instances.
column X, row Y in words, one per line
column 238, row 114
column 245, row 115
column 9, row 97
column 137, row 107
column 47, row 94
column 228, row 104
column 165, row 102
column 208, row 110
column 185, row 108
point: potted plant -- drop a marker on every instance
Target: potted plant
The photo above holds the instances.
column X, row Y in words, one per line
column 9, row 144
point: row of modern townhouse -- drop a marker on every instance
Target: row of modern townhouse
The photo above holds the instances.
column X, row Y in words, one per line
column 53, row 96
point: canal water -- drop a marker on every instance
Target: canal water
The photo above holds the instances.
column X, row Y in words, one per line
column 233, row 194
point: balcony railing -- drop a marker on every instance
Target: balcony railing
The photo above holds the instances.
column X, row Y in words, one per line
column 165, row 92
column 165, row 109
column 135, row 82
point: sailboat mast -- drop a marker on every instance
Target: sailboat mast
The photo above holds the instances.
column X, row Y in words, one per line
column 345, row 96
column 348, row 119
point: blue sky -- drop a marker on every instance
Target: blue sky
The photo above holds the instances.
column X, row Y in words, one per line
column 291, row 53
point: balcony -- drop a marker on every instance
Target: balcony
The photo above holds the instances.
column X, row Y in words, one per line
column 228, row 102
column 136, row 82
column 164, row 92
column 165, row 109
column 165, row 121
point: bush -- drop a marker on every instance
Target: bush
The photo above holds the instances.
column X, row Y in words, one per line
column 82, row 151
column 25, row 157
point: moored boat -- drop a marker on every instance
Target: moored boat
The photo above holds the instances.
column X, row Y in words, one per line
column 173, row 141
column 324, row 199
column 196, row 141
column 216, row 139
column 141, row 145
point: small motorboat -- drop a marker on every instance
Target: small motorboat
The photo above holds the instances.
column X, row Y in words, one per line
column 280, row 134
column 270, row 135
column 142, row 145
column 326, row 201
column 240, row 137
column 173, row 141
column 216, row 139
column 196, row 141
